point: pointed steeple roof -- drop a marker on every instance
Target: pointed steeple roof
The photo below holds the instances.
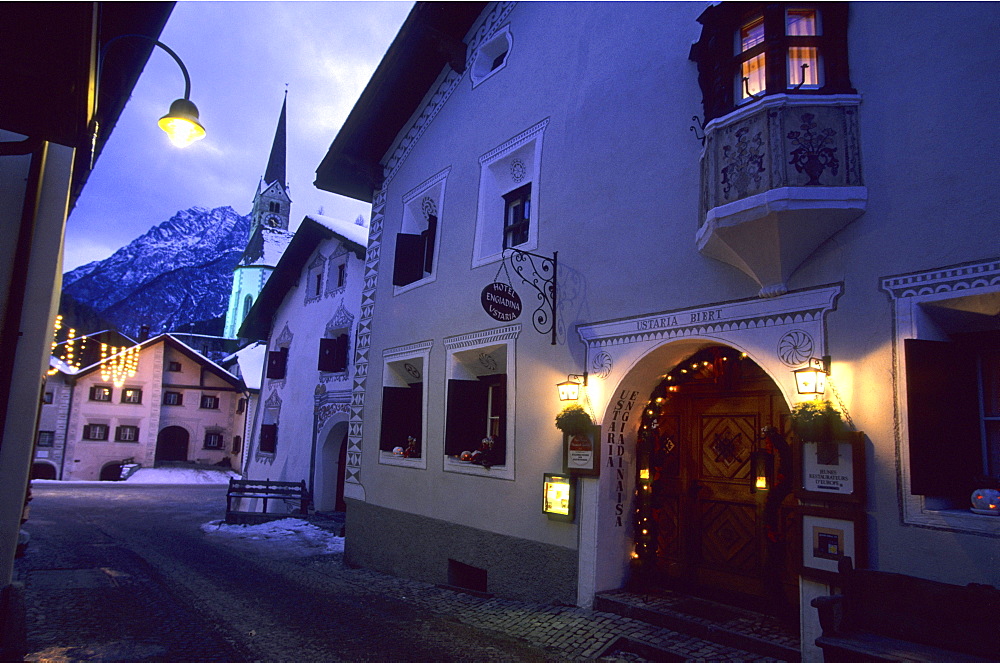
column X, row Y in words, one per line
column 275, row 171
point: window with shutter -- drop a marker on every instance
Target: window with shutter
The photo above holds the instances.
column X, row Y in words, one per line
column 99, row 393
column 268, row 438
column 277, row 362
column 333, row 354
column 476, row 409
column 402, row 417
column 943, row 416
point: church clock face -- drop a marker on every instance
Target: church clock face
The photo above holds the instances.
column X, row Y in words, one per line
column 272, row 221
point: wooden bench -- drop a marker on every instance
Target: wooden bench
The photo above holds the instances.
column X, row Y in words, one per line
column 242, row 489
column 894, row 617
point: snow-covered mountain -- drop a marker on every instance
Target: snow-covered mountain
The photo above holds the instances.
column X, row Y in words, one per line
column 177, row 275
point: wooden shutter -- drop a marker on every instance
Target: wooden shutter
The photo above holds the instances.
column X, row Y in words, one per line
column 942, row 402
column 277, row 360
column 333, row 354
column 409, row 260
column 465, row 426
column 402, row 415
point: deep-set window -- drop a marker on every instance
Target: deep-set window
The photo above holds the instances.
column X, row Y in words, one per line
column 127, row 434
column 209, row 402
column 333, row 354
column 174, row 366
column 46, row 438
column 95, row 432
column 173, row 398
column 277, row 364
column 749, row 50
column 99, row 393
column 213, row 440
column 268, row 438
column 131, row 395
column 477, row 411
column 414, row 257
column 47, row 398
column 402, row 419
column 273, row 206
column 241, row 406
column 953, row 409
column 237, row 444
column 341, row 275
column 517, row 216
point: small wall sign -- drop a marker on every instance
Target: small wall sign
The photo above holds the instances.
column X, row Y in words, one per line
column 557, row 497
column 833, row 470
column 581, row 452
column 501, row 302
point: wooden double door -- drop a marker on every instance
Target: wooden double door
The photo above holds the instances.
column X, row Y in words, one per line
column 712, row 537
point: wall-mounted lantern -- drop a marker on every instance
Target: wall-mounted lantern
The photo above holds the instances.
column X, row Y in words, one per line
column 570, row 389
column 762, row 470
column 558, row 497
column 811, row 379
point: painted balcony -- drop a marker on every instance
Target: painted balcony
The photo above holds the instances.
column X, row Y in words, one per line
column 778, row 178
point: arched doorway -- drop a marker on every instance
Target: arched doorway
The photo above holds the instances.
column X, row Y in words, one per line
column 111, row 472
column 330, row 472
column 171, row 444
column 43, row 471
column 702, row 523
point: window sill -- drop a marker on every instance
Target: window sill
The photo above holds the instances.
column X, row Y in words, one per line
column 400, row 289
column 958, row 520
column 462, row 467
column 389, row 458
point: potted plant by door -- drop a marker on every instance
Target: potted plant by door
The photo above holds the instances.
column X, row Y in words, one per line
column 818, row 421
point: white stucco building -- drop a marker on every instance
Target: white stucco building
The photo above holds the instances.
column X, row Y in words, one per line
column 826, row 201
column 308, row 313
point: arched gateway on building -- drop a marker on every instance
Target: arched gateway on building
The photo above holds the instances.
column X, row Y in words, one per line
column 687, row 402
column 702, row 521
column 172, row 444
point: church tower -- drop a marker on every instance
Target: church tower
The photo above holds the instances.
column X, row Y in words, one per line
column 269, row 234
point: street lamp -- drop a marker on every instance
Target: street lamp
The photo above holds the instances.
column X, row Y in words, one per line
column 181, row 122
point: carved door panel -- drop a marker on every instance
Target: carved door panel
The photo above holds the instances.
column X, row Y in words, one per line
column 709, row 525
column 724, row 542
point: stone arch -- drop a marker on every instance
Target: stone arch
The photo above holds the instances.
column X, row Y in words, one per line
column 620, row 419
column 172, row 444
column 111, row 471
column 330, row 467
column 44, row 470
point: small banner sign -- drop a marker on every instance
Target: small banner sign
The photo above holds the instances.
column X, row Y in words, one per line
column 501, row 302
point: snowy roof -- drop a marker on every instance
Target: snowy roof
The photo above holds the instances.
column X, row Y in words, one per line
column 251, row 362
column 348, row 230
column 275, row 243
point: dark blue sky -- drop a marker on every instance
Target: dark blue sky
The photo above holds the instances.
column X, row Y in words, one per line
column 240, row 56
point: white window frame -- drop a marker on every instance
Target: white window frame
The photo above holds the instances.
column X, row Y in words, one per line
column 912, row 321
column 501, row 43
column 414, row 221
column 498, row 342
column 396, row 364
column 501, row 170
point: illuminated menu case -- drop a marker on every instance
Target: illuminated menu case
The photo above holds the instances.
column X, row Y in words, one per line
column 558, row 497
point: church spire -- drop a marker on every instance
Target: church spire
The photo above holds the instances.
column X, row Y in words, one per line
column 275, row 171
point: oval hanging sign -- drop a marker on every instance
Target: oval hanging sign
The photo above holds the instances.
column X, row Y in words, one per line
column 501, row 302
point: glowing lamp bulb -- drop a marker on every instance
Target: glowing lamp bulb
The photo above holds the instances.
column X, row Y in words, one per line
column 181, row 123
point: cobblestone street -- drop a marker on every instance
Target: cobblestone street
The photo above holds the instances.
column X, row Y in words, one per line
column 124, row 573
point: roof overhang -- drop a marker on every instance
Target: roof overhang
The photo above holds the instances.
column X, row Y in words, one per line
column 430, row 38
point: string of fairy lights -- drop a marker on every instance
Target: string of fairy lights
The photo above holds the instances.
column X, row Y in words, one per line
column 118, row 363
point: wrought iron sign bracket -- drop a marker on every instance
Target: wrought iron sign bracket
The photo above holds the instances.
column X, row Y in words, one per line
column 539, row 272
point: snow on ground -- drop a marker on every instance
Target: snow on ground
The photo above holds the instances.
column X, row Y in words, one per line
column 180, row 475
column 288, row 536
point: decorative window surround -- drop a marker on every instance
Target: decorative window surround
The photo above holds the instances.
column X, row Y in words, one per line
column 491, row 57
column 972, row 283
column 337, row 260
column 419, row 205
column 512, row 165
column 499, row 341
column 314, row 272
column 403, row 365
